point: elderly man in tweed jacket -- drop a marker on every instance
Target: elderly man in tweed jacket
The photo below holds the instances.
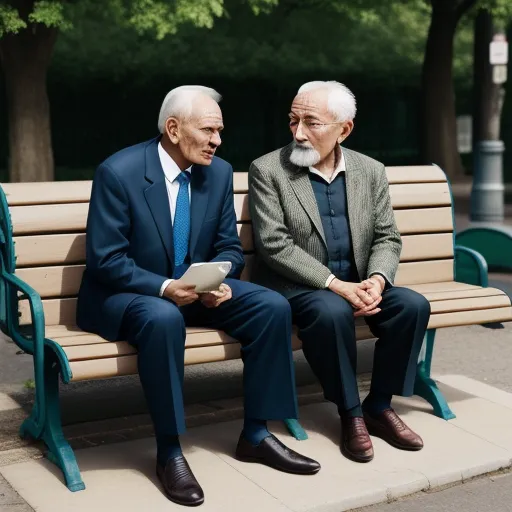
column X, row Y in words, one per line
column 326, row 239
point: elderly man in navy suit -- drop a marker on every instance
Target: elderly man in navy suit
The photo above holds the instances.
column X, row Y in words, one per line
column 156, row 208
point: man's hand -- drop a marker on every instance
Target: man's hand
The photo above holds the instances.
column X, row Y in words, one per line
column 180, row 293
column 355, row 293
column 215, row 298
column 374, row 286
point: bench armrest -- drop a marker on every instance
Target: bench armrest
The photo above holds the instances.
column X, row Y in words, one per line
column 470, row 267
column 34, row 345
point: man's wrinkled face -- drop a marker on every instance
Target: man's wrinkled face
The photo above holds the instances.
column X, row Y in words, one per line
column 316, row 131
column 198, row 135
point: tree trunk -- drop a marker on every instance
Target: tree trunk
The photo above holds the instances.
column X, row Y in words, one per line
column 439, row 126
column 25, row 58
column 488, row 97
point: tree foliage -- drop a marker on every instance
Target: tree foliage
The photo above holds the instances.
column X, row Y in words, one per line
column 159, row 17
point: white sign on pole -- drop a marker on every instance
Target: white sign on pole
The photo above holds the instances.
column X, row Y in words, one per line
column 499, row 74
column 498, row 50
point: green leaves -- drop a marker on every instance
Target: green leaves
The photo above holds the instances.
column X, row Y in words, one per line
column 156, row 17
column 10, row 21
column 49, row 13
column 164, row 17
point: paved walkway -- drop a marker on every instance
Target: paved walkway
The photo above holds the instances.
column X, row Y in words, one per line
column 121, row 476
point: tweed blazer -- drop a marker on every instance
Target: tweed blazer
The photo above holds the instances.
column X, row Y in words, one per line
column 291, row 249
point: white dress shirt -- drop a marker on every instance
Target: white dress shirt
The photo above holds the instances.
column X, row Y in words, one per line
column 329, row 179
column 171, row 172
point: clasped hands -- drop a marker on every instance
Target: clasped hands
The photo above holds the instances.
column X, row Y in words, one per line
column 364, row 297
column 182, row 294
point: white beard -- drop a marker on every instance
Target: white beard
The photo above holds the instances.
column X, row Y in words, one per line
column 304, row 156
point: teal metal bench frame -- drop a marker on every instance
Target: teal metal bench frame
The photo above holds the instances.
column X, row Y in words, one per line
column 50, row 361
column 493, row 242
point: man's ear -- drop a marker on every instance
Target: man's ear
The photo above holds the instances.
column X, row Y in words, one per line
column 346, row 130
column 172, row 129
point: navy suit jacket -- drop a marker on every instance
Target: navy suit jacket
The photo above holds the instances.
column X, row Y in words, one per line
column 129, row 239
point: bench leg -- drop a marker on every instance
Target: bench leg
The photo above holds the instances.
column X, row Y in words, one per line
column 59, row 451
column 425, row 386
column 295, row 429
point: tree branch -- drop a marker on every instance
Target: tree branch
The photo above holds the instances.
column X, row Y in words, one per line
column 463, row 7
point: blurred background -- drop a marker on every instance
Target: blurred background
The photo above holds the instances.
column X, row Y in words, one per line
column 110, row 64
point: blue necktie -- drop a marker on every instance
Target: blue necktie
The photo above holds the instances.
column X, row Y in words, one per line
column 181, row 228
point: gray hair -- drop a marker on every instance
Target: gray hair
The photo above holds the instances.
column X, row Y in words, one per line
column 178, row 102
column 341, row 101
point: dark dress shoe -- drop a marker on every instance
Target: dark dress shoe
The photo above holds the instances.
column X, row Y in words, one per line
column 389, row 427
column 179, row 483
column 356, row 444
column 275, row 454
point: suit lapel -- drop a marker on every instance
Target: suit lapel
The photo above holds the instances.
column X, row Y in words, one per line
column 157, row 198
column 301, row 185
column 198, row 204
column 353, row 180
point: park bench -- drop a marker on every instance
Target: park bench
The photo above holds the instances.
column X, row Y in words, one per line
column 42, row 259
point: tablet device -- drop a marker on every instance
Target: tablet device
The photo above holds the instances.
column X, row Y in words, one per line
column 206, row 277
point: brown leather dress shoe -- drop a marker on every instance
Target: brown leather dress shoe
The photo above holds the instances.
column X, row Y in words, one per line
column 356, row 444
column 179, row 483
column 389, row 427
column 275, row 454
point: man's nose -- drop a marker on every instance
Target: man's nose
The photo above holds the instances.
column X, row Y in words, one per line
column 300, row 135
column 216, row 141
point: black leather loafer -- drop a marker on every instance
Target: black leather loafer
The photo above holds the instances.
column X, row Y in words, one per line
column 179, row 483
column 275, row 454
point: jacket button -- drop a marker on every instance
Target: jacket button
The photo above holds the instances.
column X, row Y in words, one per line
column 332, row 213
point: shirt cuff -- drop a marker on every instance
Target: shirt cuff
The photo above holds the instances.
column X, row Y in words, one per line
column 164, row 286
column 330, row 279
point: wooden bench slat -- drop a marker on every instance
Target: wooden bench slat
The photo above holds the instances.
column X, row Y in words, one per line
column 54, row 192
column 56, row 311
column 65, row 218
column 37, row 250
column 70, row 218
column 242, row 207
column 424, row 272
column 56, row 218
column 50, row 192
column 73, row 332
column 64, row 330
column 240, row 182
column 78, row 352
column 127, row 365
column 195, row 338
column 470, row 317
column 441, row 287
column 60, row 281
column 64, row 281
column 245, row 234
column 420, row 195
column 424, row 220
column 470, row 304
column 415, row 174
column 73, row 335
column 425, row 247
column 69, row 248
column 463, row 294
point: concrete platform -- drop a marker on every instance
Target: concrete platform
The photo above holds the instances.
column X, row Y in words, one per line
column 121, row 476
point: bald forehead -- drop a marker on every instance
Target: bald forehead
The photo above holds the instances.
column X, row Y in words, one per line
column 312, row 103
column 204, row 106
